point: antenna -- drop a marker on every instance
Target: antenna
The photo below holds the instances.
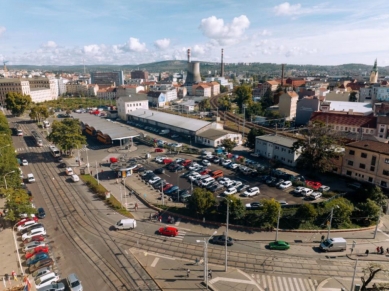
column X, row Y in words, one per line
column 83, row 62
column 5, row 67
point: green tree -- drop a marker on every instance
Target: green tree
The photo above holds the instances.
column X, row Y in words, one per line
column 306, row 212
column 224, row 103
column 228, row 144
column 236, row 207
column 375, row 193
column 343, row 209
column 17, row 103
column 18, row 202
column 39, row 112
column 254, row 109
column 353, row 97
column 243, row 96
column 201, row 201
column 67, row 134
column 251, row 137
column 204, row 104
column 268, row 99
column 369, row 273
column 270, row 210
column 317, row 149
column 223, row 89
column 369, row 210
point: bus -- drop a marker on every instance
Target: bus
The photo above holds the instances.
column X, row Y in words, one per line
column 37, row 138
column 54, row 151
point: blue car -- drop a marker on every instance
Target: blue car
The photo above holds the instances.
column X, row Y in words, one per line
column 172, row 190
column 36, row 258
column 41, row 213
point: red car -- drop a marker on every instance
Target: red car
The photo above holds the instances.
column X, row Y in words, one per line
column 158, row 150
column 24, row 220
column 167, row 161
column 205, row 172
column 113, row 160
column 167, row 186
column 186, row 163
column 168, row 231
column 34, row 238
column 37, row 250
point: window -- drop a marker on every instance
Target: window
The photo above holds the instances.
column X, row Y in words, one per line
column 351, row 152
column 372, row 168
column 350, row 163
column 370, row 179
column 384, row 184
column 362, row 166
column 385, row 172
column 373, row 160
column 364, row 155
column 348, row 173
column 381, row 130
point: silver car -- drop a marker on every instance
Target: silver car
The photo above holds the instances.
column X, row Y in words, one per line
column 53, row 287
column 74, row 283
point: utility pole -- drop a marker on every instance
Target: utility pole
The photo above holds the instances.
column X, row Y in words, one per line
column 278, row 222
column 244, row 121
column 330, row 222
column 226, row 245
column 355, row 271
column 378, row 222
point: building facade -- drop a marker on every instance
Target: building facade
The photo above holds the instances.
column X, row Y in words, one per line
column 139, row 74
column 305, row 108
column 367, row 161
column 128, row 104
column 7, row 85
column 114, row 77
column 215, row 137
column 287, row 105
column 277, row 147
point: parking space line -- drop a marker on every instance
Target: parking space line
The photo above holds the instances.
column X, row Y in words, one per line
column 154, row 263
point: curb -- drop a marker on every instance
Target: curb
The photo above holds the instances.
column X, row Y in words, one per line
column 322, row 283
column 375, row 260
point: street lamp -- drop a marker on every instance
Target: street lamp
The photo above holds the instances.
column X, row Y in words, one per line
column 330, row 222
column 5, row 181
column 206, row 257
column 244, row 120
column 278, row 222
column 4, row 147
column 226, row 234
column 87, row 157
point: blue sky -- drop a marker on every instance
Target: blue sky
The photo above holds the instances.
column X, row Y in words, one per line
column 57, row 32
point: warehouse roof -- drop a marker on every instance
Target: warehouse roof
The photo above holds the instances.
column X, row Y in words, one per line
column 278, row 139
column 213, row 134
column 170, row 119
column 114, row 129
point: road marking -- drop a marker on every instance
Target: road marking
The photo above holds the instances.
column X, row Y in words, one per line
column 231, row 280
column 291, row 284
column 154, row 263
column 311, row 284
column 178, row 222
column 383, row 233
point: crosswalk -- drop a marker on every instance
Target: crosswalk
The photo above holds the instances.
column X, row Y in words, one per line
column 282, row 283
column 45, row 146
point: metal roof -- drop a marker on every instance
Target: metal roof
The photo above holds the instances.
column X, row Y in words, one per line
column 115, row 130
column 213, row 134
column 170, row 119
column 278, row 139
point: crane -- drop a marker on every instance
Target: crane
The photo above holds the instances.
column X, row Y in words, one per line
column 5, row 68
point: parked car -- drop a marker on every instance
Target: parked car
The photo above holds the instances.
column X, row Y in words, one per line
column 224, row 180
column 154, row 180
column 275, row 183
column 251, row 192
column 298, row 190
column 168, row 231
column 34, row 232
column 37, row 250
column 36, row 258
column 159, row 171
column 236, row 184
column 232, row 166
column 285, row 185
column 315, row 195
column 221, row 240
column 230, row 191
column 206, row 163
column 26, row 225
column 226, row 163
column 41, row 213
column 54, row 287
column 32, row 245
column 36, row 238
column 43, row 263
column 324, row 188
column 40, row 272
column 253, row 205
column 46, row 280
column 74, row 283
column 283, row 203
column 279, row 245
column 306, row 192
column 166, row 187
column 172, row 190
column 24, row 220
column 242, row 188
column 158, row 150
column 24, row 162
column 159, row 184
column 270, row 180
column 184, row 198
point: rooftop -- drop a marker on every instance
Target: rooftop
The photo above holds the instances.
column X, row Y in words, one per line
column 346, row 106
column 278, row 139
column 114, row 129
column 374, row 146
column 133, row 97
column 345, row 119
column 213, row 134
column 170, row 119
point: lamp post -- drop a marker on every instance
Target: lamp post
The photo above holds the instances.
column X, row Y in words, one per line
column 278, row 222
column 244, row 120
column 206, row 257
column 4, row 147
column 226, row 234
column 87, row 158
column 5, row 181
column 330, row 222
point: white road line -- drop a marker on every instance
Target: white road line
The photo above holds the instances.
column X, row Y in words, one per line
column 315, row 282
column 178, row 222
column 307, row 286
column 231, row 280
column 154, row 263
column 311, row 284
column 300, row 284
column 291, row 284
column 265, row 285
column 285, row 283
column 271, row 282
column 280, row 284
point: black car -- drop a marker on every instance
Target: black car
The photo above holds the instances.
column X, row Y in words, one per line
column 179, row 168
column 212, row 185
column 254, row 173
column 60, row 160
column 187, row 174
column 253, row 206
column 221, row 240
column 216, row 160
column 41, row 213
column 276, row 182
column 159, row 184
column 242, row 188
column 62, row 165
column 159, row 171
column 217, row 188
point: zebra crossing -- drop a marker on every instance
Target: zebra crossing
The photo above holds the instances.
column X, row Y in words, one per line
column 282, row 283
column 46, row 146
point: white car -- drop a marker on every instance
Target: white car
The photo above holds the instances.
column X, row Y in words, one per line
column 324, row 188
column 154, row 180
column 75, row 178
column 226, row 163
column 195, row 176
column 228, row 184
column 233, row 166
column 25, row 163
column 237, row 184
column 298, row 190
column 224, row 180
column 306, row 192
column 285, row 185
column 46, row 280
column 315, row 195
column 34, row 232
column 26, row 225
column 33, row 245
column 69, row 171
column 159, row 160
column 193, row 166
column 283, row 203
column 206, row 163
column 230, row 191
column 251, row 192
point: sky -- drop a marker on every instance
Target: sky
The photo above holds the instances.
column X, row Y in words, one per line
column 119, row 32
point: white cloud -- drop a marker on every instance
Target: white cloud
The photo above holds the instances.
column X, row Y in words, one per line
column 265, row 32
column 93, row 49
column 198, row 50
column 133, row 45
column 2, row 30
column 162, row 44
column 50, row 45
column 215, row 29
column 287, row 9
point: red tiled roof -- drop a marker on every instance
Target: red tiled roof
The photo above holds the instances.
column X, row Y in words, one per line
column 345, row 119
column 369, row 145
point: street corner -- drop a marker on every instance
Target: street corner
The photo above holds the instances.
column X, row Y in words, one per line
column 334, row 284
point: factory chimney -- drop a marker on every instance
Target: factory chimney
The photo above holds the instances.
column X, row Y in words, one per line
column 188, row 55
column 282, row 74
column 222, row 65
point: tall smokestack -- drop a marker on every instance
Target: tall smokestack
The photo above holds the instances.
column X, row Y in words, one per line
column 282, row 74
column 188, row 55
column 222, row 65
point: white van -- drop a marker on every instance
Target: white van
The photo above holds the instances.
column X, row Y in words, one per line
column 46, row 124
column 334, row 244
column 127, row 223
column 30, row 178
column 69, row 171
column 75, row 178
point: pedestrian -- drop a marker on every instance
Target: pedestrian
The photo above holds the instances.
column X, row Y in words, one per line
column 169, row 218
column 188, row 273
column 160, row 218
column 322, row 238
column 210, row 273
column 381, row 250
column 378, row 250
column 100, row 165
column 136, row 206
column 14, row 276
column 129, row 194
column 367, row 253
column 197, row 262
column 387, row 251
column 117, row 181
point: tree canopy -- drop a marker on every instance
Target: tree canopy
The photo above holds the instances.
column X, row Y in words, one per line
column 353, row 97
column 268, row 99
column 236, row 207
column 224, row 103
column 243, row 96
column 251, row 137
column 39, row 112
column 317, row 149
column 306, row 212
column 270, row 209
column 223, row 89
column 343, row 209
column 204, row 104
column 228, row 144
column 201, row 201
column 66, row 134
column 17, row 103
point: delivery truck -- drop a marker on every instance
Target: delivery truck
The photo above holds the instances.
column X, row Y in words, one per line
column 336, row 244
column 127, row 223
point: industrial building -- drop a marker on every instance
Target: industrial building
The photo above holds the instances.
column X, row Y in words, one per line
column 105, row 78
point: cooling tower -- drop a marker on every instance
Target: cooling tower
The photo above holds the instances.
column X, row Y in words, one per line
column 222, row 65
column 193, row 76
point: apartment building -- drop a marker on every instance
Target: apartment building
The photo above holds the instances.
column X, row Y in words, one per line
column 288, row 105
column 367, row 161
column 13, row 85
column 126, row 105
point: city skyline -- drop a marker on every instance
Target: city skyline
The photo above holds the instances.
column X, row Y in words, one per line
column 118, row 33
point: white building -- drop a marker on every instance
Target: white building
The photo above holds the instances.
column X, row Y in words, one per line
column 40, row 95
column 277, row 147
column 215, row 137
column 126, row 105
column 168, row 91
column 62, row 86
column 126, row 90
column 221, row 80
